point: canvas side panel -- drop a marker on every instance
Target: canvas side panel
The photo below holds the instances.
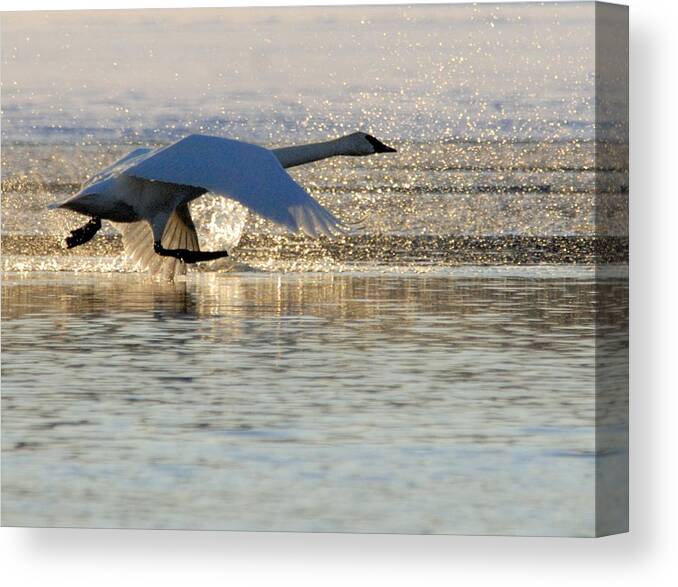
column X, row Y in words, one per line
column 612, row 297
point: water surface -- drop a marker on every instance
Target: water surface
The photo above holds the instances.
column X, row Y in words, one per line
column 460, row 402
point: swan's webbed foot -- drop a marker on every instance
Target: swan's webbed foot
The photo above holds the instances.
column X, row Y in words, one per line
column 187, row 256
column 84, row 234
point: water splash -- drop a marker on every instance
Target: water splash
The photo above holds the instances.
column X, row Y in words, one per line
column 219, row 222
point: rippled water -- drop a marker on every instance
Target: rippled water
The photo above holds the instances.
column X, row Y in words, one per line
column 460, row 403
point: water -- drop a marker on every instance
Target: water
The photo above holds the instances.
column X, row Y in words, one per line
column 382, row 403
column 469, row 72
column 434, row 372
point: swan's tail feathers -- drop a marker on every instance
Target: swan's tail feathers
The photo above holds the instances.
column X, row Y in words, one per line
column 179, row 234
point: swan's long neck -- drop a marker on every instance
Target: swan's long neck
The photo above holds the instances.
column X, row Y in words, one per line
column 291, row 156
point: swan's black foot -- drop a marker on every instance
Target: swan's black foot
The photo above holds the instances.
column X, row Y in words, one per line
column 84, row 234
column 188, row 256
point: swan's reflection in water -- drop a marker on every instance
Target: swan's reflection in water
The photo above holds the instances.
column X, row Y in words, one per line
column 365, row 402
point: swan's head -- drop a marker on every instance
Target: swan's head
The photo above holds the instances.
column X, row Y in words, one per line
column 360, row 143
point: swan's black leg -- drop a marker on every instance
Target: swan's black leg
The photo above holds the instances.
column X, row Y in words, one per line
column 188, row 256
column 84, row 234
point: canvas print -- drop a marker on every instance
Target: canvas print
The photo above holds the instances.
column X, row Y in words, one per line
column 320, row 269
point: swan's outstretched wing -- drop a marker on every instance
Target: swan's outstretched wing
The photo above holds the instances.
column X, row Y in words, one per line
column 105, row 178
column 247, row 173
column 96, row 182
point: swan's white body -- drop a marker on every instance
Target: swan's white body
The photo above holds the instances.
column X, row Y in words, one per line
column 151, row 188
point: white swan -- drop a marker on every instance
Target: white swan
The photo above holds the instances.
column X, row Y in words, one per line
column 152, row 188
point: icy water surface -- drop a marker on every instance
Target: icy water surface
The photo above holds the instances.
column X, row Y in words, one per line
column 380, row 403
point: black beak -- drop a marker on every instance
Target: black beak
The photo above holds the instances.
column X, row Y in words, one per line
column 379, row 147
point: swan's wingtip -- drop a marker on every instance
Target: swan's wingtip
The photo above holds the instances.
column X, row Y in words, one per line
column 53, row 205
